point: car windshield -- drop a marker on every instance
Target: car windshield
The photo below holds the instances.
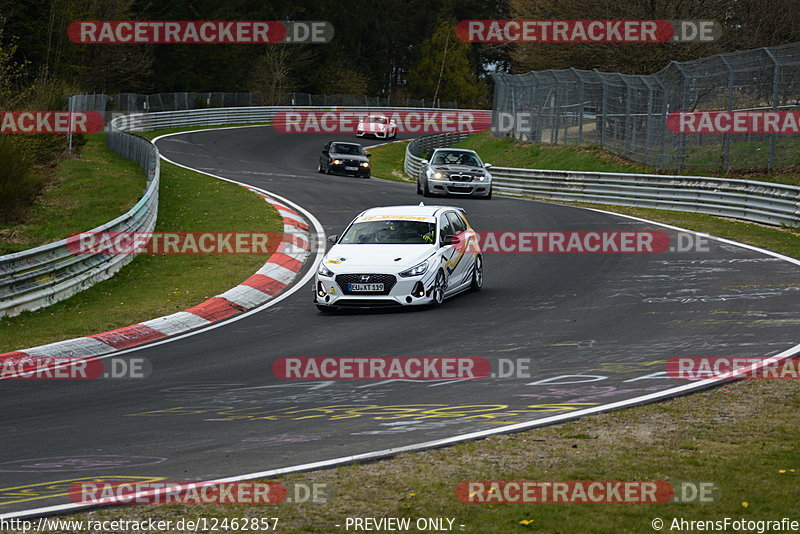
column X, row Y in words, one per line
column 390, row 232
column 453, row 157
column 377, row 120
column 346, row 148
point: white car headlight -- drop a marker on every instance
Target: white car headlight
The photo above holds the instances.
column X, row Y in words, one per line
column 365, row 163
column 416, row 270
column 438, row 176
column 337, row 162
column 324, row 271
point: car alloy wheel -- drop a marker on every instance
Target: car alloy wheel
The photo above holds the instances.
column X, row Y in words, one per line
column 438, row 290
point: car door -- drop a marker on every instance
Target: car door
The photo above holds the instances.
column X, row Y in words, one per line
column 448, row 253
column 461, row 257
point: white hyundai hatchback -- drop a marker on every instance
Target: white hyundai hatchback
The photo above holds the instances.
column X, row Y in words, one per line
column 399, row 256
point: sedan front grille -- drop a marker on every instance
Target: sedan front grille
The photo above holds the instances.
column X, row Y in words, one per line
column 461, row 177
column 388, row 281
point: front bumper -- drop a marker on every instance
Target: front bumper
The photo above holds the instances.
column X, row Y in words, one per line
column 452, row 187
column 401, row 293
column 341, row 169
column 377, row 135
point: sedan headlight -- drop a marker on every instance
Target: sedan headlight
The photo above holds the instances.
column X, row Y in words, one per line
column 324, row 271
column 337, row 162
column 438, row 176
column 416, row 270
column 365, row 163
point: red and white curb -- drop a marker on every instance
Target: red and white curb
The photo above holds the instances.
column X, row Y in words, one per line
column 270, row 280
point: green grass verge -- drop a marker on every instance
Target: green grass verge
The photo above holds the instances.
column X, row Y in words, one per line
column 152, row 286
column 84, row 191
column 387, row 161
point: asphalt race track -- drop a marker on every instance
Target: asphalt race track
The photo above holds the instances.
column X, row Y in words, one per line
column 212, row 407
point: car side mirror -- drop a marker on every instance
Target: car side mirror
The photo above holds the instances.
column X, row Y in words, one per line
column 453, row 240
column 424, row 161
column 333, row 239
column 369, row 155
column 487, row 165
column 325, row 152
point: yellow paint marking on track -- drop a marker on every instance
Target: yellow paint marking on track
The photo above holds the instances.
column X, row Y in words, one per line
column 60, row 488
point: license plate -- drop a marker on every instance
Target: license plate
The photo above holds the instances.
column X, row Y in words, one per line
column 366, row 287
column 351, row 168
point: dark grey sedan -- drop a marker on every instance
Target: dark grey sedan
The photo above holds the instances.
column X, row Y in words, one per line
column 344, row 158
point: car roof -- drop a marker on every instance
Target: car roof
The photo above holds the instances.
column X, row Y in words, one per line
column 344, row 143
column 456, row 150
column 409, row 210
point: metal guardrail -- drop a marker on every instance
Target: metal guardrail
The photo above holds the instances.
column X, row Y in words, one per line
column 41, row 276
column 412, row 164
column 244, row 115
column 763, row 202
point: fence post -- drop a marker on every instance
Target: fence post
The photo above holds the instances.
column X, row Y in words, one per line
column 684, row 107
column 776, row 82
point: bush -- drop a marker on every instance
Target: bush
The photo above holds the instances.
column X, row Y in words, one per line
column 19, row 185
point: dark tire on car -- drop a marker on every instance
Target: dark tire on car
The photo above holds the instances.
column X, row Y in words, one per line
column 319, row 168
column 425, row 191
column 438, row 290
column 477, row 274
column 487, row 197
column 419, row 187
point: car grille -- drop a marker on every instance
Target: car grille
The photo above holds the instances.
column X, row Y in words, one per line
column 351, row 162
column 388, row 281
column 461, row 177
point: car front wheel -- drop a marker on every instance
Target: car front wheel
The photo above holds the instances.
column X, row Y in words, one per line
column 477, row 274
column 437, row 292
column 425, row 191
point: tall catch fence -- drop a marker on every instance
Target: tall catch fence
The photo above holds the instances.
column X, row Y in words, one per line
column 628, row 113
